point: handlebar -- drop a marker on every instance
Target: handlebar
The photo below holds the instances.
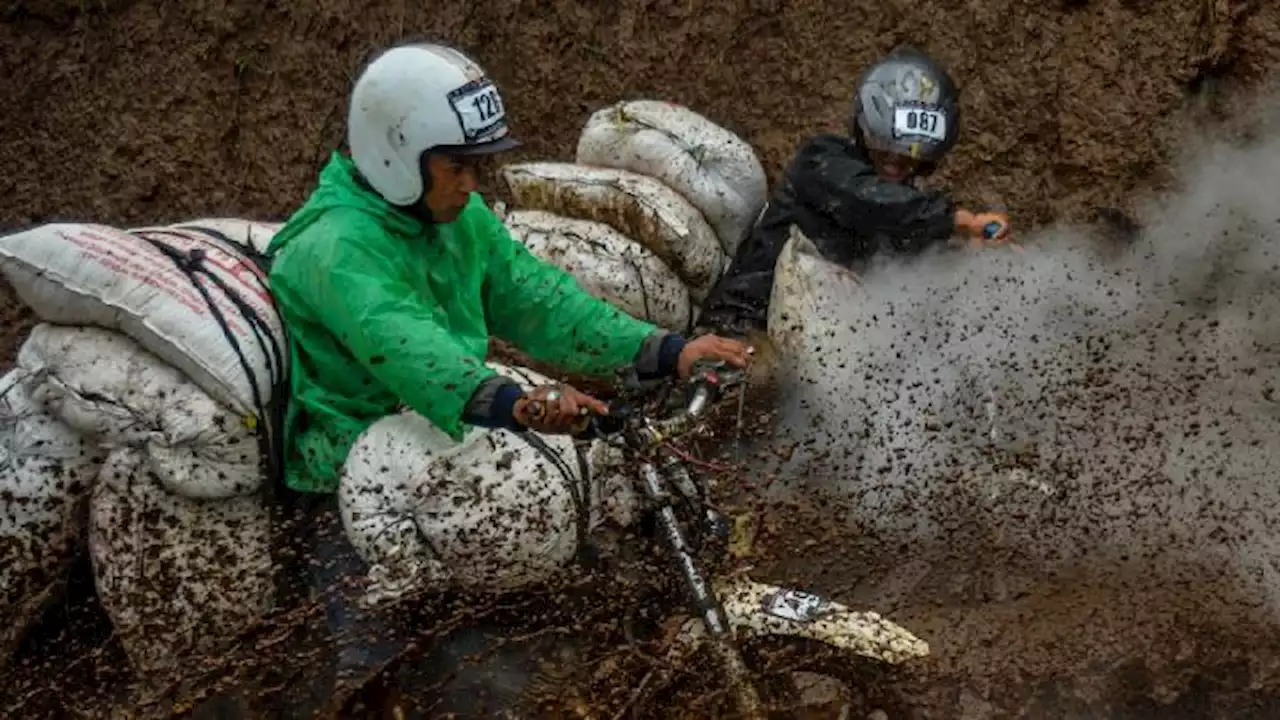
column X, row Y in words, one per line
column 993, row 228
column 707, row 381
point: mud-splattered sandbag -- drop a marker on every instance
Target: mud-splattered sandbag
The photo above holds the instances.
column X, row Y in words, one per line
column 494, row 511
column 640, row 207
column 194, row 298
column 800, row 308
column 46, row 472
column 607, row 265
column 713, row 168
column 179, row 578
column 108, row 387
column 809, row 332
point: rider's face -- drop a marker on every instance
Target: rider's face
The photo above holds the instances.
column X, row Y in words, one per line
column 892, row 166
column 453, row 179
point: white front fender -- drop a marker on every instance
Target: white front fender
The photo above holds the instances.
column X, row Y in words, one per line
column 758, row 609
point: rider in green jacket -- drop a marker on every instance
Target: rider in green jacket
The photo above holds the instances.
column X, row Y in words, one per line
column 390, row 281
column 403, row 311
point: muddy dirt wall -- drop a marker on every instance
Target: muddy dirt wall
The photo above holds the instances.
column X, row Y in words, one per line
column 126, row 111
column 122, row 111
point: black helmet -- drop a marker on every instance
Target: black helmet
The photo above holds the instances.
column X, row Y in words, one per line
column 907, row 104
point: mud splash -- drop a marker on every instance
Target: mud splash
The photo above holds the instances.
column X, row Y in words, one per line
column 1060, row 462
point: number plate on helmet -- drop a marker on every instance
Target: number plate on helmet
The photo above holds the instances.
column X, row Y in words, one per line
column 796, row 606
column 479, row 109
column 919, row 122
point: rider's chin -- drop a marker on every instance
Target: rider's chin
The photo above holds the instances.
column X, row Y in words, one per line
column 893, row 173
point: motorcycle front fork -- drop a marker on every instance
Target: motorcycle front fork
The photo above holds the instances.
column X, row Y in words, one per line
column 701, row 595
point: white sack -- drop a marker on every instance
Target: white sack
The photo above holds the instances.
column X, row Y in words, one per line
column 73, row 274
column 713, row 168
column 801, row 276
column 106, row 386
column 46, row 472
column 607, row 265
column 487, row 513
column 176, row 576
column 640, row 207
column 802, row 313
column 250, row 235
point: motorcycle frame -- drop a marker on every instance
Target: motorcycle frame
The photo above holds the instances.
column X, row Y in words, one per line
column 725, row 610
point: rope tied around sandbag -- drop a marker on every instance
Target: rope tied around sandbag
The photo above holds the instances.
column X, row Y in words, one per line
column 268, row 407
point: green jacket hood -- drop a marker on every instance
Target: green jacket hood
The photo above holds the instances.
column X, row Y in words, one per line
column 341, row 187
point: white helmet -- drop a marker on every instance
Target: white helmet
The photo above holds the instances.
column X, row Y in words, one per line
column 415, row 98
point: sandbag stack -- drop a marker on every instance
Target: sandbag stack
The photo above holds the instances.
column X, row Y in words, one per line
column 607, row 264
column 683, row 190
column 154, row 372
column 138, row 422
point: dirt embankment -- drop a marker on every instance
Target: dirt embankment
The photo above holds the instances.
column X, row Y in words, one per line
column 122, row 111
column 119, row 111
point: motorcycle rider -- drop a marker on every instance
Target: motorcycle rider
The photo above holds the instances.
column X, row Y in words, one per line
column 391, row 279
column 856, row 196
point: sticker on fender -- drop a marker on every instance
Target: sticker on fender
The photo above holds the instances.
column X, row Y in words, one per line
column 796, row 606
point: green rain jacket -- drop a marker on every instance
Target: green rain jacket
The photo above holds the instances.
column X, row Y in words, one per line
column 384, row 309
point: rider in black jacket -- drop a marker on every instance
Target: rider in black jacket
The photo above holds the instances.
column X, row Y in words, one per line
column 856, row 196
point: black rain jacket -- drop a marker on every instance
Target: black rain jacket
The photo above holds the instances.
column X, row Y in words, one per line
column 831, row 191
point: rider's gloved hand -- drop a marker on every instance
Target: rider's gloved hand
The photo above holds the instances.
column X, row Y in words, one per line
column 556, row 409
column 713, row 347
column 984, row 228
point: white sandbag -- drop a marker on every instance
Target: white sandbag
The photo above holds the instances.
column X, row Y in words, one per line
column 801, row 310
column 191, row 298
column 178, row 577
column 607, row 265
column 248, row 234
column 713, row 168
column 108, row 387
column 638, row 206
column 46, row 473
column 489, row 513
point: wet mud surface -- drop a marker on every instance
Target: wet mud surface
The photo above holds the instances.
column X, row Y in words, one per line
column 128, row 112
column 1106, row 639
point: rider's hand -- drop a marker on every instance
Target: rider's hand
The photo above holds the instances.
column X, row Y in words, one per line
column 556, row 409
column 713, row 347
column 975, row 225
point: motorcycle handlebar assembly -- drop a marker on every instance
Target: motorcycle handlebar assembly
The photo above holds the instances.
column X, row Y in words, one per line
column 707, row 382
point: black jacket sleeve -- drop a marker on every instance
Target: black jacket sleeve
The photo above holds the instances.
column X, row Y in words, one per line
column 834, row 178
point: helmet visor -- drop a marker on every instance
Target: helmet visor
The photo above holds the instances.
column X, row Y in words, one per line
column 502, row 144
